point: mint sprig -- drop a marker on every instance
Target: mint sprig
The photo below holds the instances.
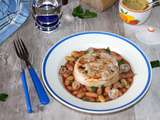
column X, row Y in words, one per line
column 155, row 63
column 83, row 14
column 3, row 97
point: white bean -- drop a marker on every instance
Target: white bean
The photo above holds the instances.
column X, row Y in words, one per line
column 91, row 94
column 75, row 85
column 124, row 68
column 124, row 83
column 114, row 93
column 99, row 91
column 101, row 98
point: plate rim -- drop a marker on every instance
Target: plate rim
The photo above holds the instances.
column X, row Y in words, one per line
column 70, row 105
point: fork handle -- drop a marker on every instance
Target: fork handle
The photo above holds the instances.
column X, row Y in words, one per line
column 25, row 87
column 38, row 86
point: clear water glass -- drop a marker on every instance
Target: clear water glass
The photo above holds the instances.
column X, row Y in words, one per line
column 47, row 14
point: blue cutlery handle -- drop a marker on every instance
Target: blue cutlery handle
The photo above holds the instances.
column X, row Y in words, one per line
column 38, row 86
column 27, row 97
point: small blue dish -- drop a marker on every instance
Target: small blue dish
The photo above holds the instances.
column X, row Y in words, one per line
column 13, row 13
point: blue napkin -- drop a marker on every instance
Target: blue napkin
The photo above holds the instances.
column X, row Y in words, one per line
column 13, row 13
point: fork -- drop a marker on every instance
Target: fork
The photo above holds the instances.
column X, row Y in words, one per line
column 25, row 87
column 23, row 54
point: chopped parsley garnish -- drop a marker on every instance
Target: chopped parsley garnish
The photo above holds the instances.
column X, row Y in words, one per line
column 94, row 89
column 102, row 86
column 108, row 50
column 121, row 62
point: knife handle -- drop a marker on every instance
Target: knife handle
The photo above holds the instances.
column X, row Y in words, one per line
column 42, row 95
column 25, row 87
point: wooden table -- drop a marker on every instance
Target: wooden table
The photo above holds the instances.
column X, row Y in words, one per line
column 39, row 42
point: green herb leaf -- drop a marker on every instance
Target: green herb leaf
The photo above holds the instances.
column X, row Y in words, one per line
column 122, row 11
column 78, row 11
column 81, row 13
column 94, row 89
column 155, row 63
column 102, row 86
column 108, row 50
column 85, row 99
column 89, row 14
column 125, row 1
column 3, row 97
column 121, row 62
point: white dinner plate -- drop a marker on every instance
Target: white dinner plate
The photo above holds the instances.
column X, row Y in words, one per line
column 82, row 41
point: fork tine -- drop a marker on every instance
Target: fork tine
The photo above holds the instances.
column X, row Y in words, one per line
column 24, row 47
column 20, row 49
column 16, row 49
